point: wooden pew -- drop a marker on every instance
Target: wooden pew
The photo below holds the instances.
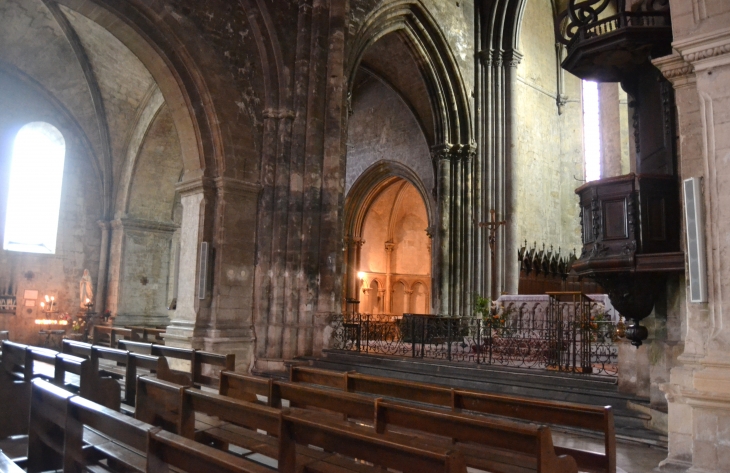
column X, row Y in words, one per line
column 46, row 437
column 130, row 363
column 176, row 407
column 246, row 387
column 22, row 363
column 518, row 442
column 502, row 445
column 147, row 335
column 109, row 336
column 196, row 358
column 302, row 427
column 61, row 423
column 599, row 419
column 17, row 367
column 166, row 450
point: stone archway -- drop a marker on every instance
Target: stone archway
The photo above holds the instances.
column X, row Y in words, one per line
column 388, row 226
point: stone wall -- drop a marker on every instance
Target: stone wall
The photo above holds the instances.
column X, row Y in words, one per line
column 78, row 241
column 549, row 158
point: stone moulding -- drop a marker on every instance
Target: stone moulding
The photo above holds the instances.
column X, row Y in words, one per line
column 705, row 51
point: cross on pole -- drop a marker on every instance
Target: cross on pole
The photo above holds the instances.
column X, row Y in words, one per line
column 492, row 225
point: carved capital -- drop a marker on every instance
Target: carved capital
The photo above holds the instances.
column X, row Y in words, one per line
column 677, row 71
column 485, row 57
column 498, row 59
column 442, row 152
column 513, row 58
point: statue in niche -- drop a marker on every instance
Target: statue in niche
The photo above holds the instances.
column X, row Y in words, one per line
column 86, row 289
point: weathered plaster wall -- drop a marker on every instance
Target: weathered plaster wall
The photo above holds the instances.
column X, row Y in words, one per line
column 549, row 158
column 382, row 127
column 78, row 241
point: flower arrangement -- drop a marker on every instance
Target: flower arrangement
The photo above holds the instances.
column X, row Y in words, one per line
column 495, row 316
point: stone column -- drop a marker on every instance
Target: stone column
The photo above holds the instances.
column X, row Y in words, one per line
column 699, row 388
column 102, row 276
column 511, row 243
column 443, row 164
column 387, row 303
column 407, row 302
column 197, row 198
column 229, row 327
column 610, row 127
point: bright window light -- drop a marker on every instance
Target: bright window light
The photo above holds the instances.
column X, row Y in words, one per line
column 34, row 197
column 591, row 131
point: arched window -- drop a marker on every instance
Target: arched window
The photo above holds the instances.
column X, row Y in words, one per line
column 591, row 131
column 34, row 196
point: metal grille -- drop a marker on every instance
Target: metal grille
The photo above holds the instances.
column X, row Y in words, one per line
column 566, row 337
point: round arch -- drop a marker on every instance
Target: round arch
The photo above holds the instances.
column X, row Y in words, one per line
column 175, row 72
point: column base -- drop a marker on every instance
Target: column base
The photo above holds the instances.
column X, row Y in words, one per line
column 671, row 465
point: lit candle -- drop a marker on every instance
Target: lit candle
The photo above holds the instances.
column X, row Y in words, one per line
column 43, row 305
column 47, row 299
column 87, row 300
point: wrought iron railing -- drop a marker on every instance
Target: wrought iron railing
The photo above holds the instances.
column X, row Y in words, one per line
column 560, row 341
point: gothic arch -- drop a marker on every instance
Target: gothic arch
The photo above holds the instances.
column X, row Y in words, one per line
column 449, row 101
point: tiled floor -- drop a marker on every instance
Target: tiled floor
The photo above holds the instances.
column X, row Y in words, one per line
column 630, row 457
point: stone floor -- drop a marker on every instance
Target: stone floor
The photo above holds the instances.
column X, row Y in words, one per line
column 630, row 457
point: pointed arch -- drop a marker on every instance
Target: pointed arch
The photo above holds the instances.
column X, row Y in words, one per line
column 429, row 47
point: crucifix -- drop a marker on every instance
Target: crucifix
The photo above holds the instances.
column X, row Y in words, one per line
column 492, row 225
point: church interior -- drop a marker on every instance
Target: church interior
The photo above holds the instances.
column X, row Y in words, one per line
column 511, row 210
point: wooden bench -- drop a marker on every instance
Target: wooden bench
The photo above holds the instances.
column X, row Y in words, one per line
column 21, row 363
column 129, row 365
column 505, row 444
column 166, row 450
column 109, row 336
column 598, row 419
column 500, row 445
column 147, row 335
column 196, row 358
column 304, row 428
column 245, row 424
column 122, row 443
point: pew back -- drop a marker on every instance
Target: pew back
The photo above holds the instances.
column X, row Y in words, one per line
column 166, row 449
column 195, row 358
column 301, row 427
column 109, row 336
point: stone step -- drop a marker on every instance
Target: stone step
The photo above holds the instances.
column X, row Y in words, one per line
column 525, row 382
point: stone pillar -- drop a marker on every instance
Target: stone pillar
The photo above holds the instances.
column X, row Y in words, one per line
column 387, row 303
column 699, row 388
column 229, row 327
column 407, row 302
column 610, row 127
column 443, row 163
column 197, row 197
column 511, row 243
column 102, row 277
